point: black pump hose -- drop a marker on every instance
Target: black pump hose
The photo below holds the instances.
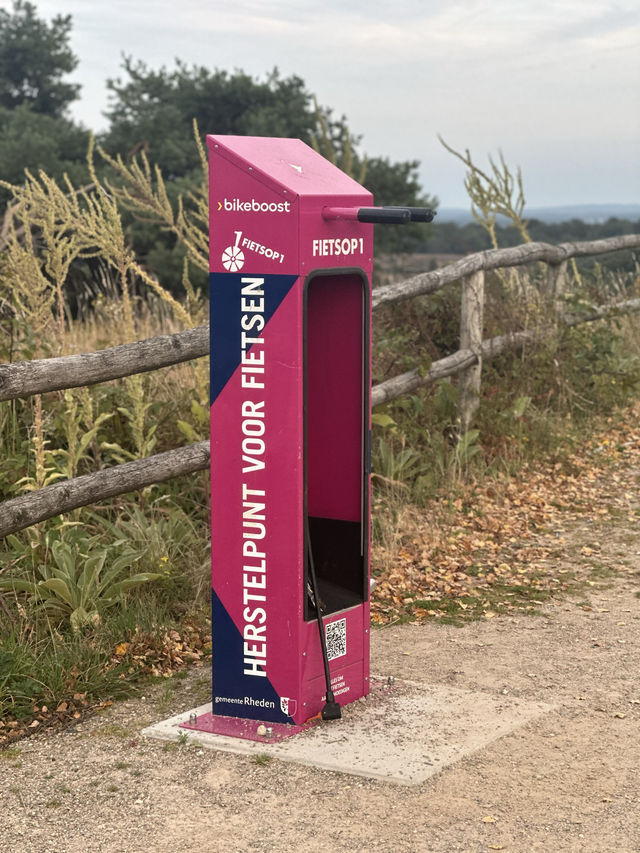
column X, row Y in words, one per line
column 331, row 710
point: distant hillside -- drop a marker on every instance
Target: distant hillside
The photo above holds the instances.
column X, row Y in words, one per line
column 590, row 213
column 446, row 237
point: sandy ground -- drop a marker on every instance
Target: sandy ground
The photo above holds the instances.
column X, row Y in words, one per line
column 569, row 781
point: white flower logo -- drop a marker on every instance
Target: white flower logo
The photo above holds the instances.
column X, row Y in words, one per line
column 233, row 256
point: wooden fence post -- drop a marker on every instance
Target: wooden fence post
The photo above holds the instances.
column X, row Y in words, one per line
column 471, row 322
column 557, row 281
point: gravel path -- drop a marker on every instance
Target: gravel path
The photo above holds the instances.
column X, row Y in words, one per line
column 569, row 781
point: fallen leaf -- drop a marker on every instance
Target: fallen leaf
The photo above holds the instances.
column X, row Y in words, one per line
column 489, row 819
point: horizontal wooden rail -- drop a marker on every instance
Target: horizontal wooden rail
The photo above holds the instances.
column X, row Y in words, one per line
column 463, row 359
column 34, row 377
column 599, row 312
column 21, row 379
column 28, row 509
column 429, row 282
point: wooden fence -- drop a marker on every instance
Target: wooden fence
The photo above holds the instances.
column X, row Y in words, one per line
column 22, row 379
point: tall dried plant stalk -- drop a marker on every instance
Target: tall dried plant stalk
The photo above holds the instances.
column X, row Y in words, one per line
column 39, row 443
column 496, row 194
column 143, row 191
column 29, row 293
column 71, row 224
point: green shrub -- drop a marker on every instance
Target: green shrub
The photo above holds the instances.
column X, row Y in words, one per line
column 82, row 578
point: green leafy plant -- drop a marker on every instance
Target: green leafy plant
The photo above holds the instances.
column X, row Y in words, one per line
column 170, row 541
column 466, row 447
column 81, row 579
column 396, row 467
column 199, row 429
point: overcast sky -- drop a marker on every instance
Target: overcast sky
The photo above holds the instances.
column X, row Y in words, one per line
column 554, row 83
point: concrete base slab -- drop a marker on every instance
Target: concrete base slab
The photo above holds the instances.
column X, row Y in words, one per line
column 403, row 732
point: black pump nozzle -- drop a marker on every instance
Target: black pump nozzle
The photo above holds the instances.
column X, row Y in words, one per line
column 379, row 215
column 331, row 710
column 385, row 215
column 417, row 214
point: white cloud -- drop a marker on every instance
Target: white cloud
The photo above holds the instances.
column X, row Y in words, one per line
column 528, row 75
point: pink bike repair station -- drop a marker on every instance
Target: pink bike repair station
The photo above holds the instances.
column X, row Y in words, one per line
column 291, row 255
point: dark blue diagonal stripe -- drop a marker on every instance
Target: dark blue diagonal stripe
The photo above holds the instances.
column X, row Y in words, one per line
column 226, row 312
column 229, row 680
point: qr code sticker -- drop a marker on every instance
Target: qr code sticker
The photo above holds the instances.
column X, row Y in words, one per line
column 336, row 637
